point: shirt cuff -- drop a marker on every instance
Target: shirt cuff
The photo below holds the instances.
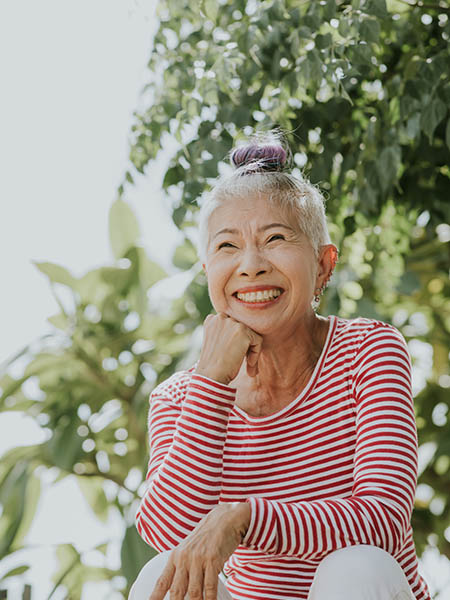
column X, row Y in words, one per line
column 262, row 531
column 211, row 388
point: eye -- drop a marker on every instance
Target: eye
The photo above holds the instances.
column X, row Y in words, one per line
column 225, row 245
column 276, row 236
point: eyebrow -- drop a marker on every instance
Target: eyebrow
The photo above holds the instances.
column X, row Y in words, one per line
column 263, row 228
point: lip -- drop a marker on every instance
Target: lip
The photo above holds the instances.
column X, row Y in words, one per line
column 257, row 288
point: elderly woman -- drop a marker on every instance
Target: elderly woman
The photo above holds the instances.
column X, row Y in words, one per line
column 287, row 455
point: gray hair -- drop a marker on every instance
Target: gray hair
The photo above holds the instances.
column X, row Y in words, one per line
column 282, row 189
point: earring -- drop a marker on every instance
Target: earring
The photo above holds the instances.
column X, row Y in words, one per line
column 317, row 293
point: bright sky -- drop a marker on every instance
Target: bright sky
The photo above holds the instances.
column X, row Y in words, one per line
column 70, row 76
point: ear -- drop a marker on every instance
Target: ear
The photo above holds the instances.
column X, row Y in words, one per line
column 328, row 255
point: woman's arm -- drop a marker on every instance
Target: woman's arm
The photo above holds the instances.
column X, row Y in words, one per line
column 185, row 467
column 385, row 468
column 186, row 443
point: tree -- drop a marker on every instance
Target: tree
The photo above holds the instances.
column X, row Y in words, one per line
column 360, row 88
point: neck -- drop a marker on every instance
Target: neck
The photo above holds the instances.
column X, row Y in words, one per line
column 288, row 359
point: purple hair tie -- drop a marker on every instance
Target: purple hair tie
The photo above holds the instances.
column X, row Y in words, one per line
column 259, row 158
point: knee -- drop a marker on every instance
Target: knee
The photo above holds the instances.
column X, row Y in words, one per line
column 364, row 572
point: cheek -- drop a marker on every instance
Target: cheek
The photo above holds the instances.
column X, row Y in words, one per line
column 216, row 289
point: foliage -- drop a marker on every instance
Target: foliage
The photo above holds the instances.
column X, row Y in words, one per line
column 360, row 88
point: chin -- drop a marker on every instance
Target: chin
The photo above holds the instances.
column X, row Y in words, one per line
column 259, row 326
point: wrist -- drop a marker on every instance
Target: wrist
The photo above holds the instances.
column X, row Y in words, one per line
column 210, row 374
column 242, row 511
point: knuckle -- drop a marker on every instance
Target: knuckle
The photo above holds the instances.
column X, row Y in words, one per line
column 210, row 592
column 162, row 582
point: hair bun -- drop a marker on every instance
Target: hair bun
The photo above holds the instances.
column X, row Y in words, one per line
column 267, row 157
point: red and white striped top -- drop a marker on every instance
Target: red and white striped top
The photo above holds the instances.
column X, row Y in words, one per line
column 334, row 468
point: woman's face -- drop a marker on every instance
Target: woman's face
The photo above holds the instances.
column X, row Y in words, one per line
column 261, row 269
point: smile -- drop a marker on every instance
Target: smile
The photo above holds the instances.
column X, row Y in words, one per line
column 260, row 296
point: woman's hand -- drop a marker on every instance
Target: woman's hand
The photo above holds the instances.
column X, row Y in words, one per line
column 226, row 343
column 194, row 565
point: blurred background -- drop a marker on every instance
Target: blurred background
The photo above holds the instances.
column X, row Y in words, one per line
column 114, row 120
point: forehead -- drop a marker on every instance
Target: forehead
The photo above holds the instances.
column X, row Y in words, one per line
column 247, row 212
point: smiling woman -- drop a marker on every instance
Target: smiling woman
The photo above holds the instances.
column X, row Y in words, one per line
column 287, row 455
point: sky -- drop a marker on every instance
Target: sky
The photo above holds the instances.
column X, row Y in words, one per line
column 71, row 72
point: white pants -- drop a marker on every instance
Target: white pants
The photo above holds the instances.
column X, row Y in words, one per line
column 353, row 573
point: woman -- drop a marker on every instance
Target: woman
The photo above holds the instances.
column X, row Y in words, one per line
column 288, row 454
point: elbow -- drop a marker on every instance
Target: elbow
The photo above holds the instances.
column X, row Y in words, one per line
column 154, row 536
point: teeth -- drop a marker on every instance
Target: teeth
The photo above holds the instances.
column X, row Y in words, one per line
column 262, row 296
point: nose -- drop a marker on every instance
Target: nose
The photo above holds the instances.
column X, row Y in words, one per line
column 253, row 264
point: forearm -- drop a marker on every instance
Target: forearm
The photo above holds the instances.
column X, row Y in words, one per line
column 313, row 529
column 187, row 482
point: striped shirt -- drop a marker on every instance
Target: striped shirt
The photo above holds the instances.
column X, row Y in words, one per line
column 336, row 467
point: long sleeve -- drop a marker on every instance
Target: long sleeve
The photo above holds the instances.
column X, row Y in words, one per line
column 185, row 467
column 379, row 509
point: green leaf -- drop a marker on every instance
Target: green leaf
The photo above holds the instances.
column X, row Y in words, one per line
column 211, row 9
column 117, row 278
column 149, row 271
column 413, row 126
column 185, row 255
column 315, row 67
column 361, row 54
column 376, row 7
column 409, row 283
column 178, row 215
column 33, row 494
column 447, row 134
column 123, row 228
column 59, row 321
column 92, row 489
column 64, row 448
column 16, row 571
column 9, row 386
column 134, row 554
column 369, row 30
column 323, row 41
column 92, row 288
column 329, row 10
column 12, row 498
column 344, row 28
column 387, row 165
column 349, row 225
column 408, row 106
column 69, row 559
column 432, row 116
column 56, row 273
column 45, row 361
column 174, row 175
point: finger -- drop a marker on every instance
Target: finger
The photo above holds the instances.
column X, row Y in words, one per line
column 210, row 583
column 164, row 581
column 179, row 585
column 252, row 356
column 195, row 588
